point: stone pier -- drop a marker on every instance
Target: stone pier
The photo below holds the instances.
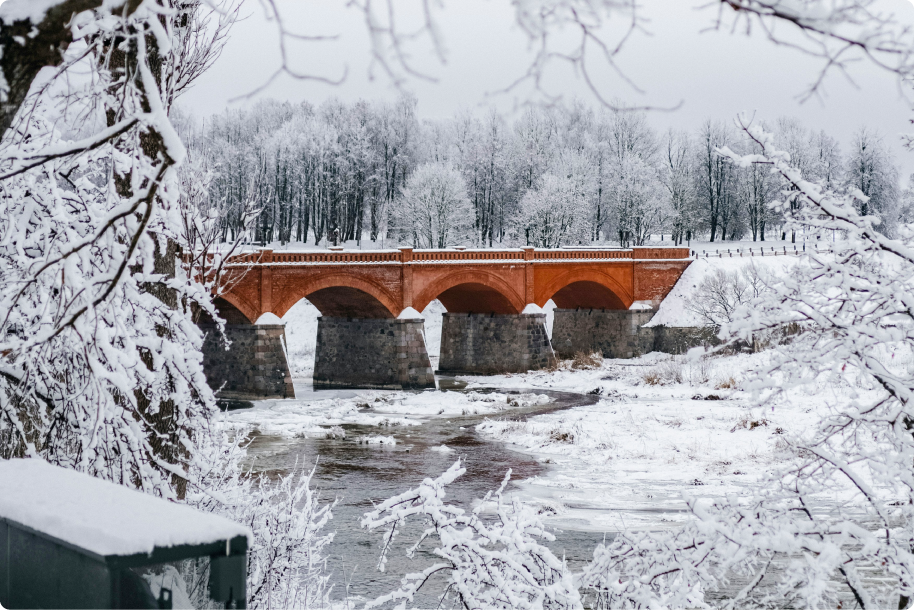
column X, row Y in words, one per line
column 621, row 334
column 372, row 353
column 488, row 344
column 254, row 366
column 616, row 333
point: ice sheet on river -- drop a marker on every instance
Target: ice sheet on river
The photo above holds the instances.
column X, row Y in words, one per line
column 383, row 409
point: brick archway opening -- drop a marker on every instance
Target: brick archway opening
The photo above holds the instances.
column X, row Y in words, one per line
column 347, row 302
column 227, row 311
column 587, row 295
column 475, row 298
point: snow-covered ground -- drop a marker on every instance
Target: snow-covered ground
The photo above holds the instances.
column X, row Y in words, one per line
column 673, row 309
column 665, row 427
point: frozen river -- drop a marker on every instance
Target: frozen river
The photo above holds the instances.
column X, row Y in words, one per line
column 360, row 474
column 598, row 454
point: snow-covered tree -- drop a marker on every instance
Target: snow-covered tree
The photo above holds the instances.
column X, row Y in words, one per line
column 101, row 368
column 715, row 179
column 849, row 313
column 676, row 176
column 433, row 210
column 871, row 171
column 555, row 213
column 641, row 208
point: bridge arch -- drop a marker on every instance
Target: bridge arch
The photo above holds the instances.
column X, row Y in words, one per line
column 233, row 309
column 585, row 289
column 471, row 292
column 341, row 296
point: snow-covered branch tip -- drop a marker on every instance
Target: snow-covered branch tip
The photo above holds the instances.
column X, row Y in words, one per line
column 495, row 562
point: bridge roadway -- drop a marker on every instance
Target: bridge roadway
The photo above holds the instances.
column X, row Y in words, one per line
column 369, row 335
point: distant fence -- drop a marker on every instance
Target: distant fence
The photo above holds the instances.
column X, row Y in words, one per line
column 760, row 251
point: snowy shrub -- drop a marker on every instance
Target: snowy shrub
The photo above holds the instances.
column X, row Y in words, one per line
column 488, row 563
column 667, row 372
column 286, row 559
column 587, row 361
column 726, row 383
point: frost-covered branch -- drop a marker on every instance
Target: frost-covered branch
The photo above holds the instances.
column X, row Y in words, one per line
column 490, row 563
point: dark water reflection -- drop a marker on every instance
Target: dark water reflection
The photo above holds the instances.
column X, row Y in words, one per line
column 359, row 476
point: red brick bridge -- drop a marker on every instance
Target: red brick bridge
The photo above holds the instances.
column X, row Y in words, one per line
column 366, row 339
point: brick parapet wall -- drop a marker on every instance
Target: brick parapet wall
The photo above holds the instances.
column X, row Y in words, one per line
column 254, row 365
column 481, row 344
column 372, row 353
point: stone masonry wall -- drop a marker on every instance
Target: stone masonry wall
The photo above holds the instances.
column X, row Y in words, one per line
column 615, row 333
column 483, row 344
column 254, row 366
column 621, row 334
column 372, row 353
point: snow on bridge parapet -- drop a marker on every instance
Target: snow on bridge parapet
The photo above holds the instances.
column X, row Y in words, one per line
column 382, row 283
column 452, row 255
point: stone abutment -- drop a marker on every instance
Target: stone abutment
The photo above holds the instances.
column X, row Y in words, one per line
column 621, row 334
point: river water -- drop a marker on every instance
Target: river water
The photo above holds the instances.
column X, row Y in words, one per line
column 360, row 475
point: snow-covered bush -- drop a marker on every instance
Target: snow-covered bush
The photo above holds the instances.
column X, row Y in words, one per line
column 489, row 563
column 287, row 558
column 587, row 361
column 668, row 371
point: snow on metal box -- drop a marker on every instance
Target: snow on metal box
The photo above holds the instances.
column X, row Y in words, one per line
column 101, row 517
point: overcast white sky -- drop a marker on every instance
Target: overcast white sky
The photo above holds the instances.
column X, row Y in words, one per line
column 715, row 74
